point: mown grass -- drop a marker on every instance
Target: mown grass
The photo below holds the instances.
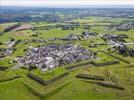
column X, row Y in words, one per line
column 15, row 90
column 49, row 74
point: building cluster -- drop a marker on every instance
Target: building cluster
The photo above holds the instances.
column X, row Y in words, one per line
column 119, row 44
column 48, row 57
column 11, row 44
column 10, row 48
column 125, row 51
column 113, row 39
column 125, row 26
column 6, row 52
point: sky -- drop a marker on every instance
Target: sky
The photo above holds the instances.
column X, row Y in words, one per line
column 41, row 3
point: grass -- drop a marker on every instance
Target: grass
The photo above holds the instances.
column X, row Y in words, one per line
column 5, row 75
column 5, row 62
column 76, row 89
column 128, row 58
column 102, row 57
column 14, row 90
column 49, row 74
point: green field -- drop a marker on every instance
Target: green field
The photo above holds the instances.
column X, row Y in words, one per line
column 68, row 87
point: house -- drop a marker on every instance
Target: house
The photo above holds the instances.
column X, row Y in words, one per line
column 68, row 27
column 9, row 51
column 12, row 42
column 71, row 37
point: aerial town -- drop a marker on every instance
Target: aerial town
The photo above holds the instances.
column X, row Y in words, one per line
column 66, row 54
column 51, row 56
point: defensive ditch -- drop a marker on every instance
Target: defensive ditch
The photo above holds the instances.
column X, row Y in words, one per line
column 47, row 82
column 127, row 62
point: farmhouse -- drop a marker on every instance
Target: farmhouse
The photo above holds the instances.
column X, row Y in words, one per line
column 12, row 43
column 9, row 51
column 72, row 37
column 68, row 27
column 88, row 34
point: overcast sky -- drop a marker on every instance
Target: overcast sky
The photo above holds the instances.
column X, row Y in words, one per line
column 64, row 2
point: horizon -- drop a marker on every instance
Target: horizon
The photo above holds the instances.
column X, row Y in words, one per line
column 74, row 6
column 69, row 3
